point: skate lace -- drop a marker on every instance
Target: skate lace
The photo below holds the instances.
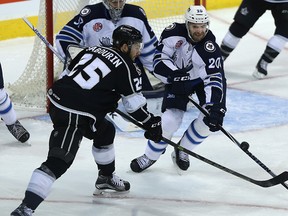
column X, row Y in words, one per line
column 261, row 68
column 23, row 210
column 116, row 180
column 263, row 65
column 183, row 156
column 144, row 161
column 28, row 211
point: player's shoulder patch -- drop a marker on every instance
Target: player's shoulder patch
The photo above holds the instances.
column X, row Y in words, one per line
column 170, row 27
column 209, row 46
column 85, row 11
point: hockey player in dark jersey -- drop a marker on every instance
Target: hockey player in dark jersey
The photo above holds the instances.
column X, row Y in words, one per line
column 187, row 60
column 98, row 78
column 246, row 16
column 8, row 114
column 94, row 26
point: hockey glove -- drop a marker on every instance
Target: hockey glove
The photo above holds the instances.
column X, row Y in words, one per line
column 153, row 129
column 180, row 82
column 215, row 118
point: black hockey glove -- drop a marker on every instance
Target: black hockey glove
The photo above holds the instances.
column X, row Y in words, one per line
column 153, row 129
column 215, row 118
column 180, row 82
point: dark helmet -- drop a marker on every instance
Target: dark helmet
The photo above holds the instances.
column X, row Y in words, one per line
column 126, row 34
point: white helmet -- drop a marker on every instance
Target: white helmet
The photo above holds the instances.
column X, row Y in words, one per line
column 115, row 13
column 196, row 14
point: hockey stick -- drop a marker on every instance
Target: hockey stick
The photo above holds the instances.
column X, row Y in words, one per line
column 244, row 145
column 266, row 183
column 43, row 39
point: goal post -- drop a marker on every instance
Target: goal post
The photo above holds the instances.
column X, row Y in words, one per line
column 200, row 2
column 43, row 67
column 49, row 53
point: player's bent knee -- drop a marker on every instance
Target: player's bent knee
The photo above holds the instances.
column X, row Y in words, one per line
column 54, row 167
column 61, row 154
column 63, row 146
column 238, row 29
column 64, row 143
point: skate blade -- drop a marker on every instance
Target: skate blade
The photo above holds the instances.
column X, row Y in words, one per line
column 109, row 193
column 258, row 75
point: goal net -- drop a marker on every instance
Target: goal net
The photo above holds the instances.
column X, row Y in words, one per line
column 30, row 89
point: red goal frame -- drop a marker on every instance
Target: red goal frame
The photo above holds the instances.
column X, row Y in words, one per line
column 200, row 2
column 49, row 53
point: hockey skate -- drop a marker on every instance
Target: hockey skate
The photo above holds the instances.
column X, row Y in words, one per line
column 22, row 210
column 141, row 163
column 180, row 159
column 18, row 131
column 261, row 69
column 110, row 184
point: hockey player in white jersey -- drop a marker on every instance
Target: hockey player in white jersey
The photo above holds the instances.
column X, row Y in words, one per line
column 187, row 60
column 246, row 16
column 8, row 114
column 94, row 26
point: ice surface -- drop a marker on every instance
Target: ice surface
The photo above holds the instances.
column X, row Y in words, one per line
column 257, row 113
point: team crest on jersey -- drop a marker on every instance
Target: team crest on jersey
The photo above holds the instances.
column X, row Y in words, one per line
column 85, row 11
column 209, row 46
column 170, row 27
column 170, row 96
column 106, row 42
column 178, row 44
column 97, row 26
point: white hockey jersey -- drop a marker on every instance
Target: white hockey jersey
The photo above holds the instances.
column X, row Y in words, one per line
column 93, row 26
column 176, row 51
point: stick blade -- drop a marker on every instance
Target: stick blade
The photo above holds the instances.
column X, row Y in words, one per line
column 279, row 179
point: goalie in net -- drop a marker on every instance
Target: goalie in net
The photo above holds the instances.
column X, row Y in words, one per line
column 94, row 26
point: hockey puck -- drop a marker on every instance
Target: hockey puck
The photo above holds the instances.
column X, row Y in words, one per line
column 244, row 146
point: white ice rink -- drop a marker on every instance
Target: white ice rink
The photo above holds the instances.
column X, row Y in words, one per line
column 257, row 113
